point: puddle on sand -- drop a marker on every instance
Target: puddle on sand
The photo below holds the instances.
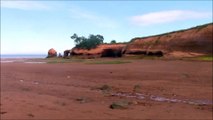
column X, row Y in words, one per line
column 163, row 99
column 6, row 61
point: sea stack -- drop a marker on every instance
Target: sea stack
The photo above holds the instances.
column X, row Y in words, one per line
column 52, row 53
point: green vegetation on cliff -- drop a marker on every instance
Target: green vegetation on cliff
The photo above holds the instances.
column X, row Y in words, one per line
column 87, row 43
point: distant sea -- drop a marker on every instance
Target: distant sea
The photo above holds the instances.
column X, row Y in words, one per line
column 23, row 56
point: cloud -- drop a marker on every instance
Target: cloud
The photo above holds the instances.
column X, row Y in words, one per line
column 99, row 20
column 24, row 5
column 167, row 16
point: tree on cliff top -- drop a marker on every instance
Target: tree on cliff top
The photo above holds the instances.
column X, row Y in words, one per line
column 113, row 42
column 87, row 43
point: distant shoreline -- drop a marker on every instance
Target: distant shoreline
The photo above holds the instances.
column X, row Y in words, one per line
column 20, row 56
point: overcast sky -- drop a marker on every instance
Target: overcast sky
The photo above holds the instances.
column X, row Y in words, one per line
column 33, row 27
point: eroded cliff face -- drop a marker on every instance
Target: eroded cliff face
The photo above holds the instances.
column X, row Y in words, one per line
column 103, row 50
column 185, row 43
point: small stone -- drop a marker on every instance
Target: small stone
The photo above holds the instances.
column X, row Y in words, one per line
column 30, row 115
column 82, row 99
column 134, row 102
column 120, row 105
column 36, row 83
column 3, row 112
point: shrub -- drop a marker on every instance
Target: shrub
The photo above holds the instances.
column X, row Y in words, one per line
column 113, row 42
column 87, row 43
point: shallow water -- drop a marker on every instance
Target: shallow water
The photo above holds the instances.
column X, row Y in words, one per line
column 163, row 99
column 22, row 60
column 23, row 56
column 7, row 61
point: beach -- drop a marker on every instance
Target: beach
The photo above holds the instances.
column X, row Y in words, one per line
column 154, row 89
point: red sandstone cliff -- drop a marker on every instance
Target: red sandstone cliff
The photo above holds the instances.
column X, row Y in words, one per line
column 183, row 43
column 103, row 50
column 98, row 50
column 190, row 42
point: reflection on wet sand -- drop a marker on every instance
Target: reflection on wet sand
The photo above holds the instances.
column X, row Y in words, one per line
column 162, row 99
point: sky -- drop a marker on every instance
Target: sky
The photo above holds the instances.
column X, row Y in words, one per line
column 33, row 27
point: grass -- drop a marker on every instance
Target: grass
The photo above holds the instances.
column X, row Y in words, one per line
column 201, row 58
column 62, row 60
column 86, row 61
column 205, row 58
column 134, row 57
column 123, row 60
column 142, row 57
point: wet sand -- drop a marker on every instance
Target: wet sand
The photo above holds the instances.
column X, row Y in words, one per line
column 73, row 90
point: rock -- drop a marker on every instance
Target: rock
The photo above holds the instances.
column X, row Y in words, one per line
column 134, row 102
column 120, row 105
column 190, row 42
column 83, row 99
column 52, row 53
column 105, row 87
column 59, row 55
column 67, row 53
column 68, row 77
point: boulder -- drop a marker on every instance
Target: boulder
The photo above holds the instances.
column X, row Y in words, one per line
column 52, row 53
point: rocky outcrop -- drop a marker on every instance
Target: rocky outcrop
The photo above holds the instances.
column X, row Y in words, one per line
column 190, row 42
column 67, row 53
column 183, row 43
column 59, row 55
column 103, row 50
column 52, row 53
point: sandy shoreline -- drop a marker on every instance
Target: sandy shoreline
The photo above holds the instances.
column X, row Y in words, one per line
column 70, row 90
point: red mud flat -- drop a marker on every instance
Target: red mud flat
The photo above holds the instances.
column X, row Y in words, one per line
column 156, row 89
